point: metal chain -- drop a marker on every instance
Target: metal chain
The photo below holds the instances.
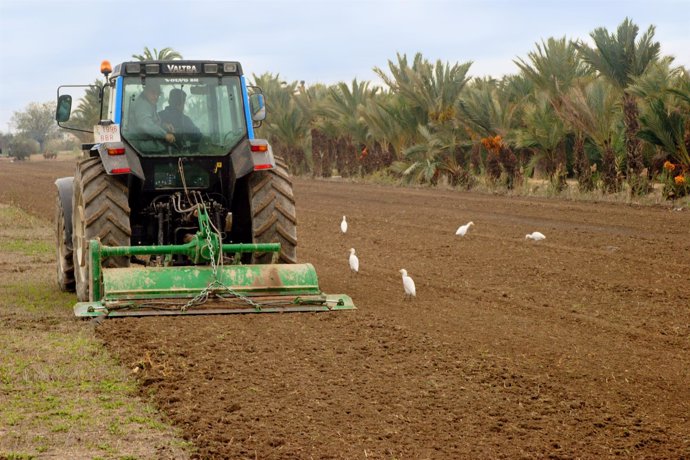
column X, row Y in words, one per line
column 215, row 284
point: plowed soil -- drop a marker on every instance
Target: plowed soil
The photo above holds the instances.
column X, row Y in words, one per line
column 577, row 346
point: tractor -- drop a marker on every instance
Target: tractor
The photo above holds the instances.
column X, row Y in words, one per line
column 177, row 207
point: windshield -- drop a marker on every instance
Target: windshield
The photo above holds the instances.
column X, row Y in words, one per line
column 183, row 115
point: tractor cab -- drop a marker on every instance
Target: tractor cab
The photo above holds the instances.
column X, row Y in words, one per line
column 205, row 107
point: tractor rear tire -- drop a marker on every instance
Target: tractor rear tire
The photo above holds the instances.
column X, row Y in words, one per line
column 273, row 213
column 65, row 263
column 100, row 210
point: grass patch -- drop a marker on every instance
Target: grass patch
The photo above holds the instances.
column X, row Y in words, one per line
column 39, row 298
column 56, row 378
column 16, row 456
column 14, row 218
column 30, row 247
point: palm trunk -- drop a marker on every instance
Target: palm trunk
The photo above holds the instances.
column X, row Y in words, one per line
column 318, row 151
column 329, row 153
column 341, row 156
column 609, row 173
column 493, row 167
column 638, row 184
column 367, row 160
column 301, row 160
column 389, row 156
column 561, row 171
column 510, row 165
column 475, row 159
column 583, row 171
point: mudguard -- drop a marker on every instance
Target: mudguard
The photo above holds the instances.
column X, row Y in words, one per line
column 252, row 155
column 127, row 163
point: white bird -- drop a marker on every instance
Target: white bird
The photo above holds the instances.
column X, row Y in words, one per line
column 354, row 261
column 408, row 284
column 462, row 230
column 343, row 225
column 536, row 236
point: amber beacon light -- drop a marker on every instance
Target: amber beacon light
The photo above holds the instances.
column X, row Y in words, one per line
column 106, row 68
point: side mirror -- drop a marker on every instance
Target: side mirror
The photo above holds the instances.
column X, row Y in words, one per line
column 64, row 108
column 257, row 107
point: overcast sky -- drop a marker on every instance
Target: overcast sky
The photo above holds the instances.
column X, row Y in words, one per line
column 46, row 43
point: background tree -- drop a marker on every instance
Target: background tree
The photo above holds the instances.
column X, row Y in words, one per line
column 489, row 115
column 591, row 108
column 5, row 142
column 665, row 111
column 165, row 54
column 553, row 69
column 388, row 121
column 37, row 122
column 665, row 124
column 343, row 105
column 619, row 59
column 22, row 147
column 287, row 125
column 544, row 133
column 425, row 96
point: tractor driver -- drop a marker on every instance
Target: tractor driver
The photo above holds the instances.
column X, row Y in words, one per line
column 173, row 115
column 146, row 124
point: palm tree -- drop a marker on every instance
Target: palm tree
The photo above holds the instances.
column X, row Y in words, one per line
column 666, row 127
column 402, row 83
column 424, row 110
column 388, row 135
column 165, row 54
column 554, row 68
column 343, row 106
column 424, row 160
column 287, row 125
column 619, row 58
column 320, row 130
column 489, row 114
column 664, row 111
column 665, row 124
column 431, row 89
column 545, row 133
column 433, row 158
column 591, row 108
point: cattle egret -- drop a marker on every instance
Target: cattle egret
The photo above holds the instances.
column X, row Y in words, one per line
column 354, row 261
column 343, row 225
column 462, row 230
column 408, row 284
column 536, row 236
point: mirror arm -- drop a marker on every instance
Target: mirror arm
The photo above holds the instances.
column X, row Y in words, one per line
column 74, row 129
column 101, row 93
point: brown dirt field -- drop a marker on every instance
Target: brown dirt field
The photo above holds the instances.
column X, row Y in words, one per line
column 574, row 347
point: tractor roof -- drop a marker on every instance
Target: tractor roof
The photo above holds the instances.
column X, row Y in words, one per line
column 197, row 68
